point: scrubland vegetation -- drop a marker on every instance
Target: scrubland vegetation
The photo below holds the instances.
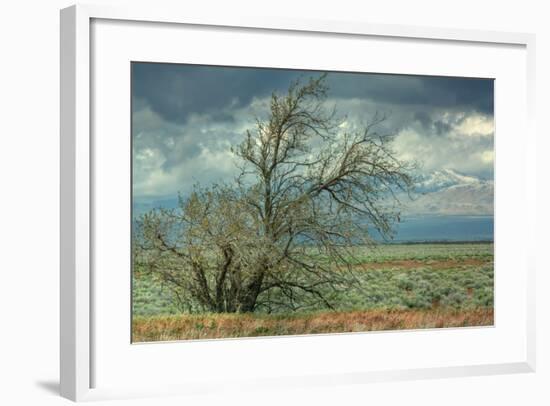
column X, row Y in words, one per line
column 400, row 286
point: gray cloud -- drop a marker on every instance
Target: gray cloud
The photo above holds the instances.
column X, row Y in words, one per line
column 175, row 91
column 423, row 118
column 441, row 92
column 185, row 118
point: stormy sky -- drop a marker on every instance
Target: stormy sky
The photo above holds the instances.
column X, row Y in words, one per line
column 186, row 117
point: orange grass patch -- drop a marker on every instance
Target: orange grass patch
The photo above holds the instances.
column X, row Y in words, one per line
column 208, row 326
column 434, row 264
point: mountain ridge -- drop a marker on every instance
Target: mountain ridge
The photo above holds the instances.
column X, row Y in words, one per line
column 448, row 192
column 442, row 192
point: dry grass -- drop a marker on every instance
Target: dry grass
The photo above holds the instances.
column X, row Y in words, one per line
column 431, row 264
column 208, row 326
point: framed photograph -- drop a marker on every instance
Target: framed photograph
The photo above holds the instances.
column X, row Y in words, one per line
column 270, row 202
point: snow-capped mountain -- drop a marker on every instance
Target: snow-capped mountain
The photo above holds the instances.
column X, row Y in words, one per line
column 442, row 192
column 447, row 192
column 444, row 178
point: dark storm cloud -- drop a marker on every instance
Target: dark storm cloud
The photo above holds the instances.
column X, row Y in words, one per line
column 432, row 125
column 441, row 127
column 423, row 118
column 441, row 92
column 174, row 91
column 477, row 93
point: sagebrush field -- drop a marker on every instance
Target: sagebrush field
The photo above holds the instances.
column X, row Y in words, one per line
column 401, row 286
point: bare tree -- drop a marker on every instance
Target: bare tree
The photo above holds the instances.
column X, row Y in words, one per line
column 285, row 234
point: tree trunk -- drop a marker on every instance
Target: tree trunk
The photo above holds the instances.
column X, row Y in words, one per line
column 247, row 302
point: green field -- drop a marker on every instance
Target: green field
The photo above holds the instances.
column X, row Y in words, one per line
column 391, row 276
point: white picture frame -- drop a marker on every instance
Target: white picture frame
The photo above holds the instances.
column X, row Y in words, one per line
column 77, row 324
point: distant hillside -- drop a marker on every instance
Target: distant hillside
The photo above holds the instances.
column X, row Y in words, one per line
column 448, row 192
column 444, row 192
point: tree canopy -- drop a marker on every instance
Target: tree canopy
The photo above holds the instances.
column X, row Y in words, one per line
column 284, row 234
